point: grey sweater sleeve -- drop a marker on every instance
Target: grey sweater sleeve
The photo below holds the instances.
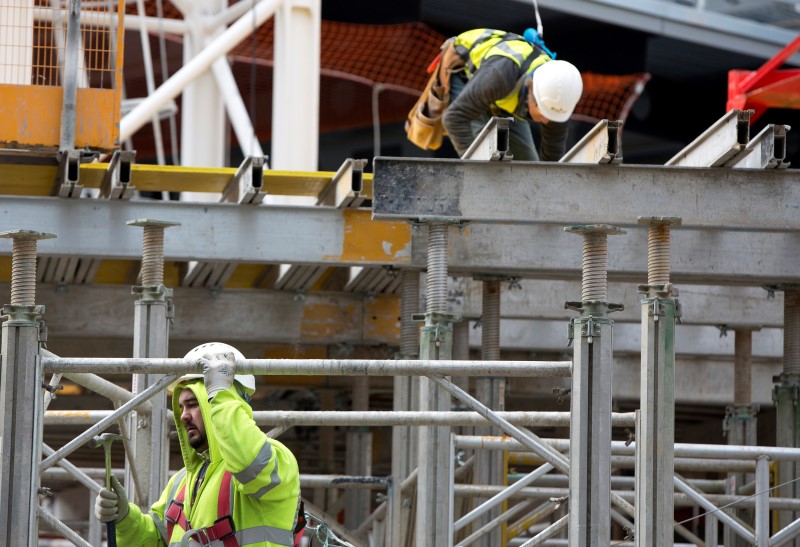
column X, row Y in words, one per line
column 554, row 140
column 495, row 79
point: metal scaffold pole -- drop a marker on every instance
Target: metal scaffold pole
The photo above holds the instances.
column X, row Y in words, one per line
column 590, row 431
column 21, row 398
column 656, row 434
column 406, row 398
column 152, row 316
column 740, row 419
column 786, row 395
column 434, row 502
column 491, row 392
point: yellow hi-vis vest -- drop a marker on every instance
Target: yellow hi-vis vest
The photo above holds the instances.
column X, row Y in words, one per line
column 474, row 46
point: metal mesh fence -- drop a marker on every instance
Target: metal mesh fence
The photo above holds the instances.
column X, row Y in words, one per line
column 33, row 38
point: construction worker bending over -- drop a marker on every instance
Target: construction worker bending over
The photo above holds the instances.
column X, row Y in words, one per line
column 505, row 75
column 238, row 486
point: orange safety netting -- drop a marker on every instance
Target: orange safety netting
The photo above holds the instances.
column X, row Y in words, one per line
column 364, row 67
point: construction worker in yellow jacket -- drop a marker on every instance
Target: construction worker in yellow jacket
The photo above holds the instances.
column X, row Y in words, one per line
column 498, row 73
column 238, row 486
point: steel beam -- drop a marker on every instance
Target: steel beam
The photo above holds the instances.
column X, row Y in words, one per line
column 219, row 232
column 562, row 193
column 699, row 256
column 700, row 304
column 321, row 235
column 691, row 23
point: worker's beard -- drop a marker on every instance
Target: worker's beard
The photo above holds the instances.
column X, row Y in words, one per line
column 197, row 439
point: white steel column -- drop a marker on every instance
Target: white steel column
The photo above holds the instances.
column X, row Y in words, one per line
column 295, row 86
column 203, row 127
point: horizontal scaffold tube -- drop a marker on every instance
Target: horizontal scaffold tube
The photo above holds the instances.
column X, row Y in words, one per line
column 368, row 418
column 685, row 450
column 681, row 500
column 315, row 367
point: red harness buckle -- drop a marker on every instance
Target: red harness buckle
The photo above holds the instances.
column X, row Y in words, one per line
column 222, row 529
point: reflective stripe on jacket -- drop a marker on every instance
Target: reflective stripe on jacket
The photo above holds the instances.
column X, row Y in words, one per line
column 266, row 481
column 474, row 46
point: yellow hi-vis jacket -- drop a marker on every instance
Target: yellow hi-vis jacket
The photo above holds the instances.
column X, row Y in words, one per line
column 474, row 46
column 266, row 480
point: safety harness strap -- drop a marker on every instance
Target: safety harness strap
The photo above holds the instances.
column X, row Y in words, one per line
column 223, row 528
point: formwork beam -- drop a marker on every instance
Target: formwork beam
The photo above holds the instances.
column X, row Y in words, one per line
column 548, row 193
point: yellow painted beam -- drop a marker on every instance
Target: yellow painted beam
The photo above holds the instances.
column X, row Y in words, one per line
column 37, row 180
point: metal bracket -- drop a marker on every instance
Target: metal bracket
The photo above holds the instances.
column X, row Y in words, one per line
column 117, row 180
column 246, row 184
column 28, row 314
column 345, row 187
column 67, row 180
column 602, row 144
column 767, row 150
column 154, row 293
column 492, row 142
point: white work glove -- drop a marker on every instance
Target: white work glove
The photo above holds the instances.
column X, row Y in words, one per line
column 111, row 505
column 218, row 372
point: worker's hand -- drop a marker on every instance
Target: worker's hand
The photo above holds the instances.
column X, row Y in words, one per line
column 218, row 372
column 111, row 505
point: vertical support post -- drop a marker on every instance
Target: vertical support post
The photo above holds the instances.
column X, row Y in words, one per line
column 406, row 397
column 295, row 73
column 762, row 502
column 592, row 380
column 152, row 316
column 491, row 392
column 70, row 83
column 712, row 531
column 203, row 131
column 434, row 514
column 21, row 398
column 359, row 458
column 786, row 396
column 655, row 464
column 740, row 420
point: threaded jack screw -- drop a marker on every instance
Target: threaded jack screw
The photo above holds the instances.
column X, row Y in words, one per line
column 658, row 238
column 23, row 265
column 594, row 282
column 436, row 279
column 153, row 249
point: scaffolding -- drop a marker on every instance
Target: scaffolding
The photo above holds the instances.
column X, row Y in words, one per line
column 720, row 218
column 570, row 490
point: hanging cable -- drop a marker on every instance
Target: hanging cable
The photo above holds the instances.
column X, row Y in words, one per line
column 324, row 534
column 539, row 26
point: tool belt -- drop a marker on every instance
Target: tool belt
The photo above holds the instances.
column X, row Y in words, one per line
column 424, row 122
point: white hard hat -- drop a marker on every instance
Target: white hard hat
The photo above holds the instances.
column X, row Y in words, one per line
column 557, row 88
column 247, row 381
